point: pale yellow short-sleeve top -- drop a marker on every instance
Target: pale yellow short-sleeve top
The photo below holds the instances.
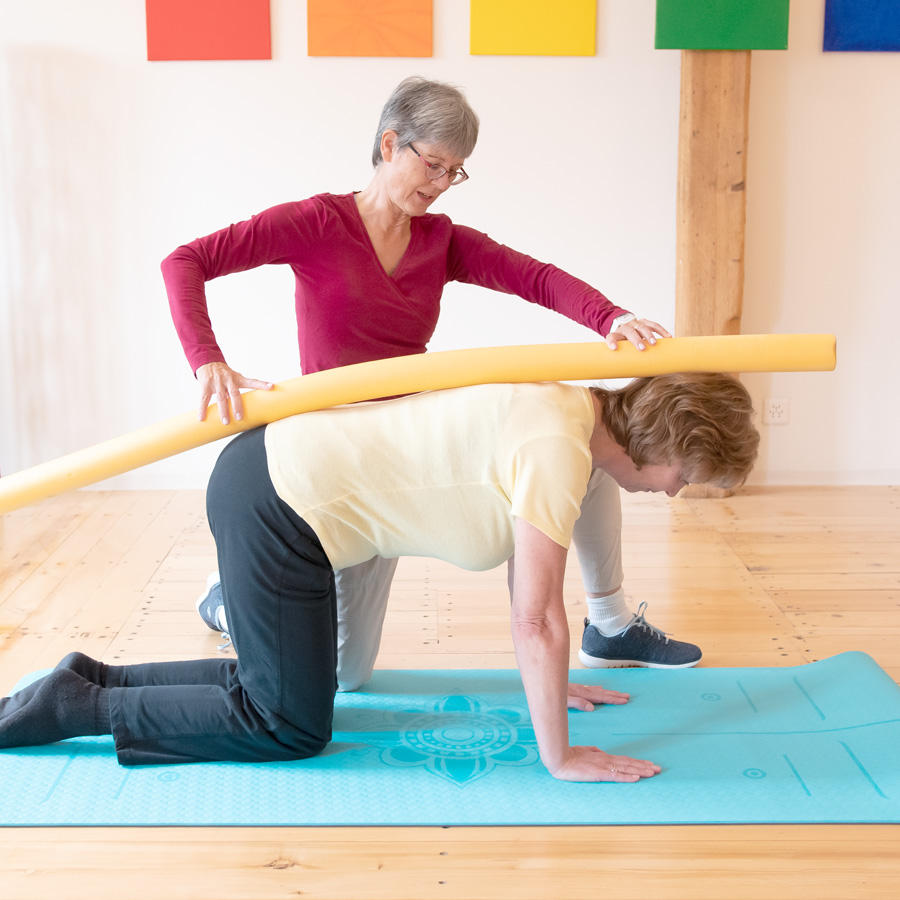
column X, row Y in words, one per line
column 441, row 474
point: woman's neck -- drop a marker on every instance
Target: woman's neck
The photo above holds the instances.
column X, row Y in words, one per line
column 378, row 212
column 603, row 448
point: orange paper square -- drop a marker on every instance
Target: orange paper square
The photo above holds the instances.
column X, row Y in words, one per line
column 369, row 27
column 208, row 29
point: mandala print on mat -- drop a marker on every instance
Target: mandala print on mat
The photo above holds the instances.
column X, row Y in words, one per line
column 463, row 739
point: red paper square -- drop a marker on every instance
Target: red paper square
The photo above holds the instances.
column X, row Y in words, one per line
column 208, row 29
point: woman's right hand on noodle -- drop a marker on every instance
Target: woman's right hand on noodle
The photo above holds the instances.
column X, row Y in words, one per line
column 219, row 382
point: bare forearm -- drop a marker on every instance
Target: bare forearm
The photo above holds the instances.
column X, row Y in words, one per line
column 542, row 651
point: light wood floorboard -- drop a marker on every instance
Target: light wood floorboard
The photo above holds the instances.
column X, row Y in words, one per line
column 768, row 577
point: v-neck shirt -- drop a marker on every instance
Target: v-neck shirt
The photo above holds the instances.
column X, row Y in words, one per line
column 349, row 309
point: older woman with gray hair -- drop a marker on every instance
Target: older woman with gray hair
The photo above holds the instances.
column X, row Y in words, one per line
column 369, row 269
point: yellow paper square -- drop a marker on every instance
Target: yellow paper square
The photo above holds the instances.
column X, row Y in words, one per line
column 533, row 27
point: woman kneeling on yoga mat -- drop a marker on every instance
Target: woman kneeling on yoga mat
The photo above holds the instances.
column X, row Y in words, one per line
column 475, row 476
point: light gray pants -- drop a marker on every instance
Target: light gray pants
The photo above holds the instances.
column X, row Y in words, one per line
column 362, row 590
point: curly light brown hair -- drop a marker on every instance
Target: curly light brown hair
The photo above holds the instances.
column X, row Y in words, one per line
column 699, row 420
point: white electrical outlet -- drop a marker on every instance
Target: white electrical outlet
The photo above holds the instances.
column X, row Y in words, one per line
column 776, row 411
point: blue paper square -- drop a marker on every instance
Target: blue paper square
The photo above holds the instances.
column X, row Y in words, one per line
column 862, row 25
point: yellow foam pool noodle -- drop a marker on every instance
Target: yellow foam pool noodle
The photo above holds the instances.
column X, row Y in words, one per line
column 410, row 374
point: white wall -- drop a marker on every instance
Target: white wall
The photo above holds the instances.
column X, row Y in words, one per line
column 107, row 162
column 823, row 251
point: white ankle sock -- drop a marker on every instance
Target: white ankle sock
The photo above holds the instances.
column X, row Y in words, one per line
column 610, row 615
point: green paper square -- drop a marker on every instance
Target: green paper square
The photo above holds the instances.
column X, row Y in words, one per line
column 722, row 24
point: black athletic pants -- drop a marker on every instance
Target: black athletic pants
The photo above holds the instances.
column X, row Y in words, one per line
column 276, row 701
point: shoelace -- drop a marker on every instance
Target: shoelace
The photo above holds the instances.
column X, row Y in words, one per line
column 227, row 638
column 641, row 622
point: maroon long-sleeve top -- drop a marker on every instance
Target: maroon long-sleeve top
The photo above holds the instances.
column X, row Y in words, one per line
column 349, row 309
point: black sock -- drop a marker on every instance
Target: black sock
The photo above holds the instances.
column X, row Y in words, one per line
column 62, row 705
column 89, row 669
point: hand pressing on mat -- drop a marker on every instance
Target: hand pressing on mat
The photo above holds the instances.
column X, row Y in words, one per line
column 593, row 764
column 586, row 696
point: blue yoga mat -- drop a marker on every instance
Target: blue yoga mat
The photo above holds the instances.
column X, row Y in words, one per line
column 815, row 743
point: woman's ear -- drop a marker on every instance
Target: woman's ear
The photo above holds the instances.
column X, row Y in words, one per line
column 388, row 145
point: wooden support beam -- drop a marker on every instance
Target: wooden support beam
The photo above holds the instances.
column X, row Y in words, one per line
column 711, row 202
column 712, row 172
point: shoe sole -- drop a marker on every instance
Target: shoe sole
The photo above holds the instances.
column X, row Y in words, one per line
column 211, row 580
column 597, row 662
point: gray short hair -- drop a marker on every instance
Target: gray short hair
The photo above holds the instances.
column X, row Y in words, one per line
column 430, row 111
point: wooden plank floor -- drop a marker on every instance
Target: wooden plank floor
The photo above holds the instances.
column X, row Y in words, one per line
column 769, row 577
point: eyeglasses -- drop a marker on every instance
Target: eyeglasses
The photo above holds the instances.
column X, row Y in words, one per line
column 433, row 171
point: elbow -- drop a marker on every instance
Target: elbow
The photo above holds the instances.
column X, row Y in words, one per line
column 174, row 257
column 170, row 263
column 546, row 625
column 532, row 630
column 179, row 257
column 530, row 624
column 537, row 639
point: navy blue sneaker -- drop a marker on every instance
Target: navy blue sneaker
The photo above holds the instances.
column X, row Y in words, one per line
column 640, row 644
column 211, row 607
